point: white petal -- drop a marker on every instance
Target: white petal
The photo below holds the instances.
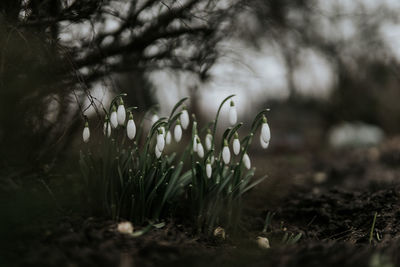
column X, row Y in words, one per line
column 232, row 115
column 264, row 145
column 160, row 142
column 168, row 138
column 162, row 128
column 208, row 170
column 226, row 154
column 178, row 133
column 121, row 114
column 195, row 143
column 265, row 132
column 86, row 134
column 154, row 119
column 158, row 152
column 184, row 118
column 212, row 159
column 208, row 141
column 200, row 150
column 246, row 161
column 107, row 129
column 131, row 129
column 236, row 146
column 113, row 119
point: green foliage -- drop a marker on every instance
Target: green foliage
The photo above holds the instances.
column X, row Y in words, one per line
column 125, row 179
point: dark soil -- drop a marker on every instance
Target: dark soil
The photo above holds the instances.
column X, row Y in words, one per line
column 330, row 198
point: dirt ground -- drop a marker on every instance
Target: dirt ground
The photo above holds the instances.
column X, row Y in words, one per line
column 329, row 197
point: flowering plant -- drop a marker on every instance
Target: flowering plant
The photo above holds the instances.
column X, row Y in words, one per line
column 136, row 179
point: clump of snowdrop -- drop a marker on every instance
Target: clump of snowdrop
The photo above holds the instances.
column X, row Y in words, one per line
column 131, row 127
column 226, row 154
column 232, row 113
column 184, row 118
column 178, row 131
column 114, row 117
column 86, row 133
column 121, row 113
column 236, row 144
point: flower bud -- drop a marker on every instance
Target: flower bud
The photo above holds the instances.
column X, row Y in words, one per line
column 236, row 144
column 131, row 127
column 208, row 140
column 232, row 114
column 184, row 117
column 86, row 133
column 200, row 149
column 195, row 143
column 160, row 141
column 246, row 161
column 226, row 154
column 178, row 132
column 121, row 113
column 208, row 169
column 168, row 138
column 265, row 131
column 113, row 117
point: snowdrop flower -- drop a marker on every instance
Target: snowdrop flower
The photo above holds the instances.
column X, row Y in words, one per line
column 154, row 118
column 263, row 144
column 162, row 128
column 107, row 127
column 184, row 117
column 208, row 169
column 178, row 131
column 168, row 138
column 265, row 131
column 158, row 152
column 226, row 154
column 86, row 133
column 131, row 127
column 125, row 228
column 236, row 144
column 212, row 159
column 246, row 161
column 160, row 141
column 232, row 114
column 121, row 113
column 200, row 149
column 208, row 140
column 113, row 117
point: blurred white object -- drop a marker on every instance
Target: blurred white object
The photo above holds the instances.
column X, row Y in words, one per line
column 355, row 135
column 263, row 242
column 125, row 228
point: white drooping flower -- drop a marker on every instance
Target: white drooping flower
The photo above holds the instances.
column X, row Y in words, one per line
column 158, row 152
column 236, row 144
column 168, row 138
column 212, row 159
column 226, row 154
column 208, row 169
column 125, row 228
column 246, row 161
column 162, row 128
column 232, row 114
column 131, row 127
column 160, row 141
column 154, row 118
column 121, row 113
column 113, row 117
column 178, row 131
column 265, row 131
column 200, row 149
column 184, row 117
column 86, row 133
column 195, row 142
column 263, row 144
column 208, row 140
column 107, row 127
